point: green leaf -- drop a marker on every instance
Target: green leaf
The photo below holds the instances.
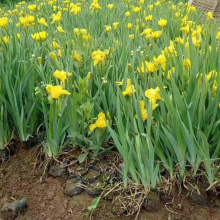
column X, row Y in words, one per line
column 81, row 158
column 94, row 204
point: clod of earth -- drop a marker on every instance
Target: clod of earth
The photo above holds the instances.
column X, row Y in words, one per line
column 200, row 198
column 10, row 211
column 77, row 171
column 94, row 192
column 58, row 171
column 73, row 187
column 91, row 177
column 151, row 203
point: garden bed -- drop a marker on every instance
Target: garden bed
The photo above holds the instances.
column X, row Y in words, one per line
column 21, row 177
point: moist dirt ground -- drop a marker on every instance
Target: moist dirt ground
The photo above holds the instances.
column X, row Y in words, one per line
column 20, row 178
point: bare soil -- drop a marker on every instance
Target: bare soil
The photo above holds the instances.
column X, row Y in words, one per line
column 19, row 178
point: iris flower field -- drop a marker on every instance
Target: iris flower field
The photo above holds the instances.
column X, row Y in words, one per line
column 142, row 75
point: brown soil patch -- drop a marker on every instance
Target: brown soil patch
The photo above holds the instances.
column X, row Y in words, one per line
column 19, row 179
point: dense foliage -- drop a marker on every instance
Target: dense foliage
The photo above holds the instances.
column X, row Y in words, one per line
column 142, row 74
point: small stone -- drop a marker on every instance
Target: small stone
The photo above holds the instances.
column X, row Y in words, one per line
column 94, row 192
column 10, row 211
column 73, row 188
column 81, row 172
column 77, row 171
column 151, row 203
column 58, row 171
column 199, row 198
column 91, row 177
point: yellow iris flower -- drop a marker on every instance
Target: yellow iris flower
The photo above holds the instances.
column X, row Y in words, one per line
column 56, row 91
column 100, row 122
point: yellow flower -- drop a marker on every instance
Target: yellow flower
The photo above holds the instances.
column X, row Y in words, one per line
column 76, row 31
column 95, row 5
column 190, row 23
column 108, row 28
column 184, row 20
column 153, row 103
column 55, row 45
column 56, row 17
column 115, row 25
column 173, row 7
column 42, row 22
column 32, row 7
column 161, row 59
column 147, row 32
column 40, row 60
column 196, row 42
column 177, row 15
column 61, row 75
column 153, row 94
column 129, row 25
column 191, row 9
column 110, row 6
column 75, row 9
column 147, row 67
column 218, row 36
column 3, row 22
column 41, row 36
column 87, row 37
column 59, row 53
column 120, row 83
column 136, row 9
column 185, row 29
column 129, row 90
column 151, row 7
column 89, row 75
column 209, row 15
column 157, row 3
column 215, row 87
column 187, row 63
column 169, row 73
column 77, row 57
column 127, row 14
column 162, row 23
column 52, row 55
column 18, row 36
column 56, row 91
column 143, row 111
column 170, row 50
column 211, row 73
column 180, row 40
column 26, row 21
column 156, row 34
column 100, row 122
column 98, row 56
column 149, row 18
column 6, row 39
column 60, row 29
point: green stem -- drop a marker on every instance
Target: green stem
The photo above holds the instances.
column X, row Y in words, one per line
column 51, row 119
